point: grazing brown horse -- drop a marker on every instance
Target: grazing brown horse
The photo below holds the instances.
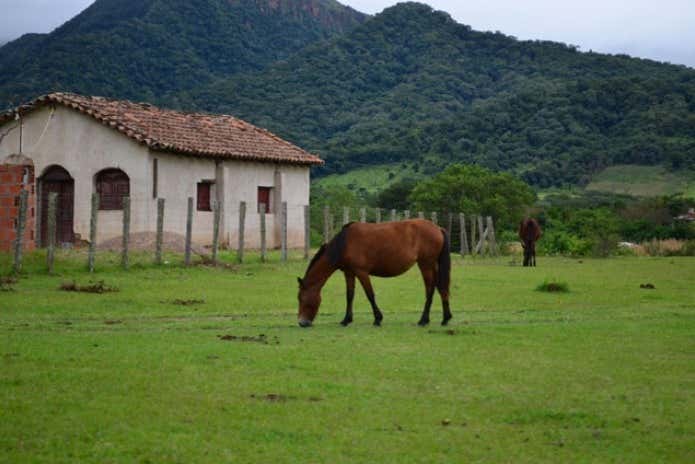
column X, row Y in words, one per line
column 529, row 233
column 384, row 250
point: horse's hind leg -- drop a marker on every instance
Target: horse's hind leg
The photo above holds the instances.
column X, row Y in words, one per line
column 369, row 291
column 350, row 290
column 429, row 276
column 446, row 310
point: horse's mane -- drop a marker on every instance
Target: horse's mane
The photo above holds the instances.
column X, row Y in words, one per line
column 335, row 249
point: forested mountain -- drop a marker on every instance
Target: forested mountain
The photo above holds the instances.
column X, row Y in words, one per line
column 412, row 84
column 148, row 49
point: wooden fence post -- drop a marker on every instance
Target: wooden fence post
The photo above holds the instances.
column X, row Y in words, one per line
column 307, row 231
column 160, row 231
column 264, row 245
column 242, row 225
column 346, row 215
column 189, row 232
column 464, row 238
column 406, row 214
column 93, row 232
column 326, row 223
column 50, row 254
column 421, row 214
column 434, row 217
column 378, row 215
column 125, row 259
column 283, row 235
column 21, row 224
column 450, row 224
column 473, row 235
column 363, row 214
column 492, row 240
column 481, row 235
column 216, row 231
column 394, row 215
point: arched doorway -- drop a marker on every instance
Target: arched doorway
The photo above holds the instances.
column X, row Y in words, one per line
column 57, row 179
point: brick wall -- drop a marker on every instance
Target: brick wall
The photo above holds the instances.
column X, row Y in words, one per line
column 12, row 178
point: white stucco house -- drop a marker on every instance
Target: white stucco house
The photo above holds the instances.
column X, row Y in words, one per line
column 81, row 145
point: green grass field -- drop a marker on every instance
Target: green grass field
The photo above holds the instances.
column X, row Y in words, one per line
column 372, row 179
column 643, row 181
column 602, row 373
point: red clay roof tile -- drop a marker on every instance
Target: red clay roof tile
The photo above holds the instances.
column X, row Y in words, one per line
column 196, row 134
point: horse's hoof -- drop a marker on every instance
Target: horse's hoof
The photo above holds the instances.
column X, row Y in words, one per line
column 377, row 323
column 345, row 323
column 423, row 323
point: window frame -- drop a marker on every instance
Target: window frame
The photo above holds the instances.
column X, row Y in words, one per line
column 111, row 201
column 269, row 205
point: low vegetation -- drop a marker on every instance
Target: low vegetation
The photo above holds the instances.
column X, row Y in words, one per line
column 602, row 373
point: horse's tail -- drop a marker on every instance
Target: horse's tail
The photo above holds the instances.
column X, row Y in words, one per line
column 444, row 261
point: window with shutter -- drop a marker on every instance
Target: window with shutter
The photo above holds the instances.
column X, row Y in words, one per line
column 112, row 186
column 264, row 195
column 204, row 203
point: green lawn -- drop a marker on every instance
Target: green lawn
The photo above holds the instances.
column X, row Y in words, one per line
column 603, row 373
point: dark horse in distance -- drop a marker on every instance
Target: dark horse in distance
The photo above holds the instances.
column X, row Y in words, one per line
column 382, row 250
column 529, row 233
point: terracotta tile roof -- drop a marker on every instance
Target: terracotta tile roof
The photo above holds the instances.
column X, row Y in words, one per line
column 196, row 134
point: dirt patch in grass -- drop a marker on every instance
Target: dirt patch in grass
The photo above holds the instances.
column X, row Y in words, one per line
column 113, row 322
column 92, row 287
column 279, row 398
column 182, row 302
column 262, row 338
column 647, row 286
column 6, row 283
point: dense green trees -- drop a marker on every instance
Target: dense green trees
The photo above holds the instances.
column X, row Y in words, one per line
column 152, row 49
column 474, row 189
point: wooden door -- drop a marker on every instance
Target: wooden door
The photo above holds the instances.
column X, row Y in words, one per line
column 59, row 181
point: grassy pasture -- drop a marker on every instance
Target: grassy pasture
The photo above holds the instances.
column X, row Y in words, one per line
column 643, row 181
column 602, row 373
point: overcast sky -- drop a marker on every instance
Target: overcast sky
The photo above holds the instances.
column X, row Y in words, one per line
column 663, row 30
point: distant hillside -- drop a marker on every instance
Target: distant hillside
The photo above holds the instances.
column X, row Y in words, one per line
column 413, row 85
column 147, row 49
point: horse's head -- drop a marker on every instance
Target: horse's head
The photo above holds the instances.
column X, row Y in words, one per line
column 309, row 302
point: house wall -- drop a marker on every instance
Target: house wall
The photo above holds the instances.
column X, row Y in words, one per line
column 84, row 147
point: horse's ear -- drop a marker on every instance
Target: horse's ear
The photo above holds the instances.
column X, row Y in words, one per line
column 301, row 282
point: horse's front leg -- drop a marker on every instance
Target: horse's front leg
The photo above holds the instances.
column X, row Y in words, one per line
column 369, row 291
column 350, row 292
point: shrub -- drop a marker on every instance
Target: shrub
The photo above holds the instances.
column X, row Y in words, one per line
column 553, row 287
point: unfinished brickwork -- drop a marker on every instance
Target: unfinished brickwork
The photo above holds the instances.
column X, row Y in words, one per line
column 16, row 174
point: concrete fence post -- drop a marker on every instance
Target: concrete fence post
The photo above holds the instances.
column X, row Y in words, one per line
column 363, row 214
column 421, row 215
column 189, row 232
column 93, row 232
column 125, row 259
column 435, row 217
column 394, row 215
column 242, row 226
column 406, row 214
column 160, row 231
column 378, row 215
column 346, row 214
column 51, row 230
column 21, row 224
